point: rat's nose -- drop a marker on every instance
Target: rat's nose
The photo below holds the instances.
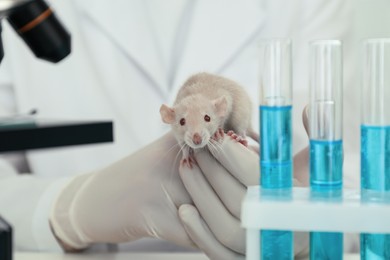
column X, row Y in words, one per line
column 197, row 139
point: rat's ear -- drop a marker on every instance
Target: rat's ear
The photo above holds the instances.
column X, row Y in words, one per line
column 221, row 106
column 167, row 114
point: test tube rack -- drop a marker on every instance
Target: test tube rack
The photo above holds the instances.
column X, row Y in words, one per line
column 302, row 213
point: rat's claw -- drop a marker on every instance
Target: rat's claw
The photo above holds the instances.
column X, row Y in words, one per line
column 183, row 162
column 244, row 142
column 191, row 161
column 188, row 161
column 221, row 132
column 218, row 134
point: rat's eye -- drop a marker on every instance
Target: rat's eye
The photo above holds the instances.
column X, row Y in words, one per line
column 182, row 121
column 206, row 118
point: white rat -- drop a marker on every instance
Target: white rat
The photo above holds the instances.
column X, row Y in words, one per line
column 205, row 106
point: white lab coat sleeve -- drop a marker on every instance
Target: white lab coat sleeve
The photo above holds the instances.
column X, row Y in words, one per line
column 25, row 200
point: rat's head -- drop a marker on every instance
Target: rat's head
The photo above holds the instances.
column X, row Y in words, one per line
column 195, row 119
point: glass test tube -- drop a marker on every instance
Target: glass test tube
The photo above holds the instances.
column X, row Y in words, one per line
column 375, row 138
column 276, row 139
column 326, row 147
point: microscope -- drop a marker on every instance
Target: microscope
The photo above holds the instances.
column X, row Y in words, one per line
column 36, row 24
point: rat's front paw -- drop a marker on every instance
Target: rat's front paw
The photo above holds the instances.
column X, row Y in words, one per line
column 237, row 138
column 188, row 161
column 218, row 135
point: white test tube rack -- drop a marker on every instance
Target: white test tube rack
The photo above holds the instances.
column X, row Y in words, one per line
column 301, row 213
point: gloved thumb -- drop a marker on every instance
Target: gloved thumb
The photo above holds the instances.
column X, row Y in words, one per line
column 301, row 171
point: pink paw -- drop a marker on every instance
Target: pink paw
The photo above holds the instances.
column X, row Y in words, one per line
column 237, row 138
column 189, row 162
column 218, row 135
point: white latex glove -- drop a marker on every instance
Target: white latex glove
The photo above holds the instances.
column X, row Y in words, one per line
column 135, row 197
column 217, row 188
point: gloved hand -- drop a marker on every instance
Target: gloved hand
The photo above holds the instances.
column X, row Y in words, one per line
column 218, row 187
column 135, row 197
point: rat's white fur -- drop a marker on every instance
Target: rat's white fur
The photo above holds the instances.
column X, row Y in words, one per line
column 223, row 100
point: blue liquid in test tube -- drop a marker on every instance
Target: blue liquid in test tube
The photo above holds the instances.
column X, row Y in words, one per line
column 276, row 141
column 276, row 164
column 375, row 156
column 375, row 140
column 276, row 173
column 326, row 163
column 326, row 146
column 326, row 160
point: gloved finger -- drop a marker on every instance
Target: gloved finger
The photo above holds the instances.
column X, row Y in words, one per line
column 301, row 245
column 240, row 161
column 301, row 168
column 203, row 237
column 229, row 189
column 224, row 226
column 305, row 119
column 255, row 148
